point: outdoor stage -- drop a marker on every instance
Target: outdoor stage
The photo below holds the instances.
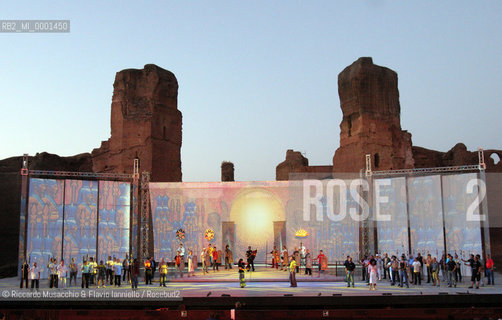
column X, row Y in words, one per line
column 267, row 292
column 66, row 216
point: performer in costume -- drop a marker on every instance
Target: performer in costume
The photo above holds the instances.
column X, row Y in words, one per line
column 303, row 252
column 250, row 255
column 25, row 268
column 62, row 274
column 109, row 270
column 292, row 272
column 229, row 259
column 242, row 278
column 323, row 263
column 275, row 262
column 54, row 273
column 163, row 272
column 203, row 255
column 92, row 271
column 73, row 271
column 35, row 276
column 181, row 251
column 85, row 275
column 148, row 272
column 191, row 263
column 209, row 252
column 117, row 268
column 285, row 259
column 134, row 274
column 215, row 259
column 220, row 256
column 308, row 263
column 296, row 255
column 101, row 274
column 126, row 270
column 177, row 264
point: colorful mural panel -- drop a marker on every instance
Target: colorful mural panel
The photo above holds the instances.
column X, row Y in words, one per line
column 462, row 236
column 426, row 215
column 114, row 219
column 392, row 235
column 45, row 221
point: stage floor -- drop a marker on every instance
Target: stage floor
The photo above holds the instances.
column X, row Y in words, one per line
column 265, row 282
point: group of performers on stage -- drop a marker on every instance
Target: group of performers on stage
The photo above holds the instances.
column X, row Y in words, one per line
column 401, row 271
column 112, row 273
column 300, row 257
column 410, row 270
column 115, row 271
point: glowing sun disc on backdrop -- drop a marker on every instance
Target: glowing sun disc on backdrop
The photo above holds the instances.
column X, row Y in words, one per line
column 254, row 212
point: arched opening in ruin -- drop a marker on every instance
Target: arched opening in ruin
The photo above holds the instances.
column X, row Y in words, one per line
column 495, row 157
column 164, row 132
column 376, row 160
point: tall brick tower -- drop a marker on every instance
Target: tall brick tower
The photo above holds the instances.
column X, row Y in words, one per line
column 145, row 123
column 371, row 122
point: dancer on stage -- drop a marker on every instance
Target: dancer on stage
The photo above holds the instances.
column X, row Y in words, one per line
column 203, row 258
column 25, row 268
column 350, row 267
column 250, row 255
column 292, row 272
column 92, row 271
column 297, row 257
column 73, row 271
column 117, row 268
column 229, row 258
column 148, row 272
column 403, row 274
column 192, row 261
column 435, row 271
column 35, row 276
column 489, row 270
column 323, row 263
column 303, row 252
column 275, row 261
column 373, row 274
column 101, row 274
column 177, row 264
column 126, row 269
column 476, row 269
column 163, row 272
column 209, row 252
column 285, row 259
column 241, row 265
column 109, row 270
column 215, row 259
column 219, row 258
column 134, row 274
column 308, row 263
column 85, row 275
column 181, row 251
column 62, row 274
column 52, row 266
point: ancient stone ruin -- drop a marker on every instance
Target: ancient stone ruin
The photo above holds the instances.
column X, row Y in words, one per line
column 145, row 124
column 227, row 171
column 371, row 124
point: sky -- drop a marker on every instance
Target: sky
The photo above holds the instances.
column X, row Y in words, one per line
column 255, row 77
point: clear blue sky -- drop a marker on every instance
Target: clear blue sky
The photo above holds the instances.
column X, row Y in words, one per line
column 256, row 77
